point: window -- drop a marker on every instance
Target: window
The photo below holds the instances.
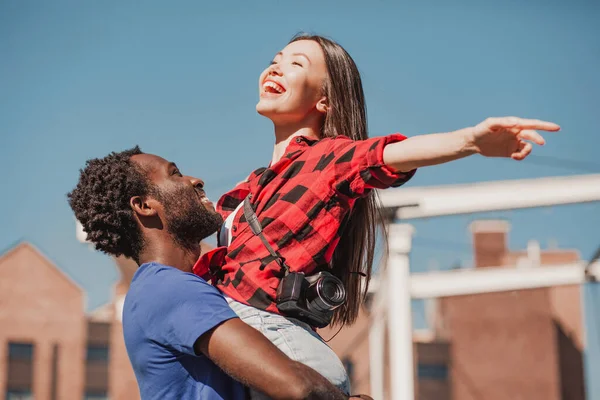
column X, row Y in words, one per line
column 95, row 395
column 433, row 371
column 97, row 361
column 19, row 376
column 97, row 353
column 19, row 395
column 20, row 351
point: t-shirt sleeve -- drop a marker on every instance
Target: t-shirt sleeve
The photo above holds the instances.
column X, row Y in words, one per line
column 356, row 166
column 190, row 308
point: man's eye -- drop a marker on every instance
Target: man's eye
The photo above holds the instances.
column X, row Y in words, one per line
column 176, row 172
column 296, row 63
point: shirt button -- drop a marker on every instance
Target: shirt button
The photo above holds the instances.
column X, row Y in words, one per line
column 234, row 228
column 298, row 140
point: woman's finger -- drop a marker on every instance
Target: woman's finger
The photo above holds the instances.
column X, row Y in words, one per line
column 538, row 124
column 522, row 123
column 531, row 135
column 524, row 150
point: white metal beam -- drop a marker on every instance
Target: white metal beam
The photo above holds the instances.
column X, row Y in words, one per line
column 422, row 202
column 496, row 279
column 399, row 312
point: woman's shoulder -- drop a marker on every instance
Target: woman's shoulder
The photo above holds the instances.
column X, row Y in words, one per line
column 331, row 142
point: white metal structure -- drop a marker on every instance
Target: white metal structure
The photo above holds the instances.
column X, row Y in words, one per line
column 488, row 280
column 401, row 286
column 435, row 201
column 398, row 285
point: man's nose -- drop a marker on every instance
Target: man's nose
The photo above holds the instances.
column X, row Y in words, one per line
column 196, row 182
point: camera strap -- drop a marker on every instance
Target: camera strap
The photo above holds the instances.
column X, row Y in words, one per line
column 256, row 228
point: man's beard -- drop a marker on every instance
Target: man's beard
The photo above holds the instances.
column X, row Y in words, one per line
column 187, row 220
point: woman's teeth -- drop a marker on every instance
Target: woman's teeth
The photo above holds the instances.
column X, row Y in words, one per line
column 273, row 87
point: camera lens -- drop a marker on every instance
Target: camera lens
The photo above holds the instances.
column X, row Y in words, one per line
column 326, row 294
column 332, row 291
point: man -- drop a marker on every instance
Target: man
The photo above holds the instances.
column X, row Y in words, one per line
column 179, row 331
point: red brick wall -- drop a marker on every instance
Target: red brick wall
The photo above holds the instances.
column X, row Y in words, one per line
column 490, row 242
column 41, row 305
column 503, row 346
column 122, row 382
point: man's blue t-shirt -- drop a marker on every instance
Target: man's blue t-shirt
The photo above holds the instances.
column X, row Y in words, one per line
column 165, row 312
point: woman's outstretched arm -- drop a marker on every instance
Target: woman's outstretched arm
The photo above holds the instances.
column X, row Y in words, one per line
column 494, row 137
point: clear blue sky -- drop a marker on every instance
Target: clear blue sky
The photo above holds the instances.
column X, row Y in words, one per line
column 80, row 79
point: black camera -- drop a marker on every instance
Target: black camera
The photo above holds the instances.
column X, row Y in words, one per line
column 311, row 299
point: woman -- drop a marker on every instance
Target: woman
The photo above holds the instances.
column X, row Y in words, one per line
column 315, row 201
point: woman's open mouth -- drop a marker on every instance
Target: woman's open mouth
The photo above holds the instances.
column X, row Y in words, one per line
column 271, row 88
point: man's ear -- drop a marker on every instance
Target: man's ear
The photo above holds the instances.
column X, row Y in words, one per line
column 323, row 105
column 141, row 207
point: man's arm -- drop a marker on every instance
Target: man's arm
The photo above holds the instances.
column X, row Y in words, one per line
column 249, row 357
column 191, row 316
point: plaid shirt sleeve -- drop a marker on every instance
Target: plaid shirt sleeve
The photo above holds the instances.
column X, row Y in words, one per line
column 357, row 166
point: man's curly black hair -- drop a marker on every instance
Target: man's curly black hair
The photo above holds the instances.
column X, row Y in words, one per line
column 101, row 202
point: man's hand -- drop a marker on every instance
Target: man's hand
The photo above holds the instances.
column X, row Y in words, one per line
column 508, row 136
column 249, row 357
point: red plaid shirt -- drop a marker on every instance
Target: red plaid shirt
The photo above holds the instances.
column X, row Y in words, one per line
column 303, row 203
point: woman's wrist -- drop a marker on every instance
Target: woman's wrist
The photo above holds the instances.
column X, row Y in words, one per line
column 467, row 138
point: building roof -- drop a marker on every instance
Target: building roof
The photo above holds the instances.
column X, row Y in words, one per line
column 25, row 246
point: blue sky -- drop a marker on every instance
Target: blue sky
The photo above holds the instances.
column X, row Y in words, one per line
column 81, row 79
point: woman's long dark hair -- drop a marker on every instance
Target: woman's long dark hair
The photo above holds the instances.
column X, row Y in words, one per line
column 347, row 116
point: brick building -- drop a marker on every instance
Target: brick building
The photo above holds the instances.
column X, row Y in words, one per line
column 524, row 344
column 49, row 348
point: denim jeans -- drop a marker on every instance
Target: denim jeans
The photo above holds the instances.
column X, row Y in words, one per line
column 297, row 340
